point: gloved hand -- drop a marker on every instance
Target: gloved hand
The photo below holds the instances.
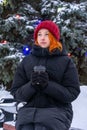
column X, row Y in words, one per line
column 39, row 80
column 43, row 79
column 34, row 78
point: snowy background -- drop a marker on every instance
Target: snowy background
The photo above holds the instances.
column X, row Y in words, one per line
column 80, row 110
column 79, row 107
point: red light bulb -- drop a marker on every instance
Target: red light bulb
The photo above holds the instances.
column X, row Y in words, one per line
column 17, row 16
column 69, row 54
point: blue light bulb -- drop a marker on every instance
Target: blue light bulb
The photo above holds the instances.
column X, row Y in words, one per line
column 26, row 50
column 39, row 21
column 86, row 53
column 36, row 23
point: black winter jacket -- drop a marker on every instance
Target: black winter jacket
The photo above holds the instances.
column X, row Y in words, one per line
column 63, row 88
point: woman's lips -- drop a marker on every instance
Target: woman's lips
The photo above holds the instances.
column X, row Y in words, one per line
column 43, row 42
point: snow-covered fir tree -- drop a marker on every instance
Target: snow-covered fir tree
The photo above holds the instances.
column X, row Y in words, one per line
column 18, row 18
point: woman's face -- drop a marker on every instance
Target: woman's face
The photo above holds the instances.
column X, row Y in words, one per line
column 43, row 38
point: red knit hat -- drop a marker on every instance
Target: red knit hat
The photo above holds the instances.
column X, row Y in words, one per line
column 51, row 26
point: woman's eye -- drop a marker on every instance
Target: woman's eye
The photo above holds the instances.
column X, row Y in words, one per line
column 46, row 34
column 39, row 34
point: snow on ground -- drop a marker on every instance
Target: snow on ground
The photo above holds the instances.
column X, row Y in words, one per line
column 79, row 108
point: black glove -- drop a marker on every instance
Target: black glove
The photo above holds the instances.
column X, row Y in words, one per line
column 34, row 78
column 39, row 80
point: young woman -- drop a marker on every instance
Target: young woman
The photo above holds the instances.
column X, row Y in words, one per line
column 47, row 80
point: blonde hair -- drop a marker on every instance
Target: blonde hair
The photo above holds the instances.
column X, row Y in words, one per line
column 54, row 44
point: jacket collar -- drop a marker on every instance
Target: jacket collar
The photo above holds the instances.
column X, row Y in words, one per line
column 38, row 51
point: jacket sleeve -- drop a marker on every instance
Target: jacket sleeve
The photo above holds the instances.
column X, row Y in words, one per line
column 21, row 88
column 69, row 88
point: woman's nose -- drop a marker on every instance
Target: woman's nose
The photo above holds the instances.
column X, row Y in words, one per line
column 42, row 37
